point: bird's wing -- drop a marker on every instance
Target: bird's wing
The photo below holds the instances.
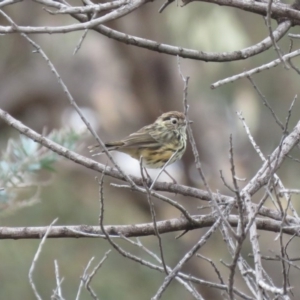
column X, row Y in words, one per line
column 140, row 139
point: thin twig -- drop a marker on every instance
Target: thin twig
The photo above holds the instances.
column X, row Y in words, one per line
column 78, row 46
column 186, row 284
column 81, row 281
column 175, row 204
column 268, row 21
column 290, row 61
column 153, row 216
column 88, row 278
column 113, row 15
column 57, row 292
column 163, row 169
column 241, row 231
column 255, row 246
column 35, row 258
column 186, row 277
column 194, row 147
column 92, row 8
column 165, row 5
column 263, row 67
column 213, row 265
column 186, row 257
column 265, row 102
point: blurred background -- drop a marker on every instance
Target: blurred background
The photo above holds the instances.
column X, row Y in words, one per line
column 121, row 88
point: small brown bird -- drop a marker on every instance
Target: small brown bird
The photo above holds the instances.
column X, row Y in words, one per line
column 157, row 143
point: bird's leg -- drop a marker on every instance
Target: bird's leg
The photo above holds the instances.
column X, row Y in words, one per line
column 148, row 176
column 174, row 181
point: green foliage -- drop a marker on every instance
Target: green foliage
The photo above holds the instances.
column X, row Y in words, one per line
column 22, row 164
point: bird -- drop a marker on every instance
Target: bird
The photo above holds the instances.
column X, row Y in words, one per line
column 156, row 145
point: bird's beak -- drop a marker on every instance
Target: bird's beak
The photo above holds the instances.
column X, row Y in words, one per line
column 190, row 122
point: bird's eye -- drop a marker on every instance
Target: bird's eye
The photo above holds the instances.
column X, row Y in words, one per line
column 174, row 121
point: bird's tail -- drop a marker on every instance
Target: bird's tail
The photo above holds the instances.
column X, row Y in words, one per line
column 109, row 146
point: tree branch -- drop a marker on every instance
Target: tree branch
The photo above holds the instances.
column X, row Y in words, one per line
column 135, row 230
column 245, row 53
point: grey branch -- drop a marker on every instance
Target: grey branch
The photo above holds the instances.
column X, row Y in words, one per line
column 245, row 53
column 267, row 66
column 278, row 11
column 137, row 230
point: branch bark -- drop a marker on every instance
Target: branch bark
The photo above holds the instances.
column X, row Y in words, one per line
column 134, row 230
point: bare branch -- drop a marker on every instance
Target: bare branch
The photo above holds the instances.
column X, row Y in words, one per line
column 94, row 8
column 186, row 284
column 266, row 103
column 276, row 159
column 163, row 169
column 191, row 53
column 268, row 21
column 180, row 207
column 269, row 65
column 35, row 258
column 57, row 294
column 278, row 10
column 195, row 150
column 144, row 229
column 153, row 216
column 81, row 281
column 87, row 278
column 9, row 2
column 186, row 257
column 116, row 14
column 241, row 231
column 83, row 37
column 213, row 265
column 255, row 146
column 165, row 5
column 255, row 246
column 190, row 278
